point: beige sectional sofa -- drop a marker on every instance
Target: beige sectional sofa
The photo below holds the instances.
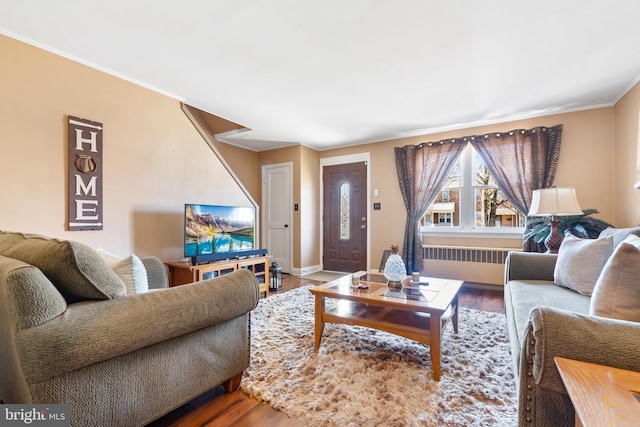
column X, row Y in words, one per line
column 582, row 304
column 70, row 334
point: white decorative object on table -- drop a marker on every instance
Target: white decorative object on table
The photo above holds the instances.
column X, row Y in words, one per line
column 394, row 269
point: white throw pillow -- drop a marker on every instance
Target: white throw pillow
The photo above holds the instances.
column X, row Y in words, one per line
column 632, row 239
column 131, row 271
column 619, row 234
column 580, row 262
column 617, row 292
column 108, row 257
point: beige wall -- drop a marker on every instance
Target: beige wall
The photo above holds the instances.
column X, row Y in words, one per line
column 627, row 159
column 154, row 160
column 310, row 215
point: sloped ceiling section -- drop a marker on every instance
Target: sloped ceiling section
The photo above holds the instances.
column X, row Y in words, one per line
column 338, row 73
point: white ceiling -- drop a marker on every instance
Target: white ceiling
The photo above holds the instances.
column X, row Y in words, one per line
column 333, row 73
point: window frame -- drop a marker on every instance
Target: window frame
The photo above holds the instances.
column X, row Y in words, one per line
column 467, row 227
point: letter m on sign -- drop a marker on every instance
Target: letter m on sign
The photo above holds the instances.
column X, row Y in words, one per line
column 85, row 175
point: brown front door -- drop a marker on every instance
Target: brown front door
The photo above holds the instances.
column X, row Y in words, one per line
column 345, row 217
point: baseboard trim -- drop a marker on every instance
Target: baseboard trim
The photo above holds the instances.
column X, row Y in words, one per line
column 305, row 270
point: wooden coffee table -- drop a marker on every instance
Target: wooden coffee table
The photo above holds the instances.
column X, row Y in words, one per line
column 419, row 313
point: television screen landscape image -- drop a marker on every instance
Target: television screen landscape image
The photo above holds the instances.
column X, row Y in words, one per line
column 213, row 229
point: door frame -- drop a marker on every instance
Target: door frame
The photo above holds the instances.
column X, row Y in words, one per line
column 341, row 160
column 289, row 197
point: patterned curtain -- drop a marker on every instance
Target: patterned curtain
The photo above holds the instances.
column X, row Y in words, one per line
column 422, row 171
column 521, row 161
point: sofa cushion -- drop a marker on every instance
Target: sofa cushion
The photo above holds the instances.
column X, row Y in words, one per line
column 580, row 262
column 8, row 240
column 617, row 291
column 75, row 269
column 30, row 293
column 524, row 295
column 619, row 234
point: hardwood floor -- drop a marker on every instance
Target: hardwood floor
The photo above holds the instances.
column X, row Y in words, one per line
column 217, row 408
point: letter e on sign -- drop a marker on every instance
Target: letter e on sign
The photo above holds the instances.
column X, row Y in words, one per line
column 85, row 175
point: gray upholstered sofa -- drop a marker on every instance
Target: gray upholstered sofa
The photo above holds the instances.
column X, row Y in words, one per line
column 544, row 321
column 70, row 334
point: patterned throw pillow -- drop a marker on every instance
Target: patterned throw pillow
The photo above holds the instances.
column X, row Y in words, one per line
column 617, row 291
column 580, row 262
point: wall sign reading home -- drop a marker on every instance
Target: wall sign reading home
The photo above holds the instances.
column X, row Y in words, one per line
column 85, row 174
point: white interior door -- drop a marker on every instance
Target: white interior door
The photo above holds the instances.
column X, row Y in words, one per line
column 276, row 213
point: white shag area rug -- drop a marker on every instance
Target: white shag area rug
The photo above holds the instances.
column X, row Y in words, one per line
column 364, row 377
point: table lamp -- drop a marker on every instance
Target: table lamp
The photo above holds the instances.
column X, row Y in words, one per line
column 553, row 202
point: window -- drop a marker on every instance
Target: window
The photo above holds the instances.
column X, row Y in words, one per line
column 444, row 218
column 344, row 210
column 471, row 201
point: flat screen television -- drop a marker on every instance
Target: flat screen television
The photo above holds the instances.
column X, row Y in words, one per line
column 213, row 232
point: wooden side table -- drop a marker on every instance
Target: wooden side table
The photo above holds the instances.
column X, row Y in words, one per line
column 602, row 396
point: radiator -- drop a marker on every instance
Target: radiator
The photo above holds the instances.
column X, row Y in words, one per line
column 466, row 254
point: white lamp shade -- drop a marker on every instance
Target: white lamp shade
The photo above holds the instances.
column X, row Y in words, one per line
column 554, row 201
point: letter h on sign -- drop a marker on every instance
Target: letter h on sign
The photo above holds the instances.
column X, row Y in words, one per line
column 85, row 174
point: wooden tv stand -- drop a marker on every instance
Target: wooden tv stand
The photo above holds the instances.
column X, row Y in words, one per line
column 181, row 273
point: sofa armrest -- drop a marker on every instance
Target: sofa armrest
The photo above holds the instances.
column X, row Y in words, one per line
column 529, row 266
column 156, row 272
column 93, row 331
column 559, row 333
